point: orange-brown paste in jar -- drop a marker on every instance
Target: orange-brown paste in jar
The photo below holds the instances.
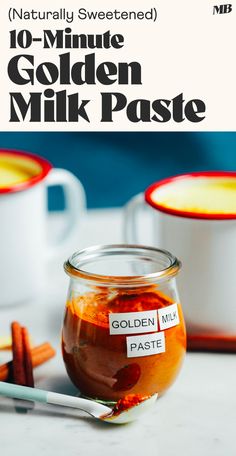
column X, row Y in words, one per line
column 97, row 362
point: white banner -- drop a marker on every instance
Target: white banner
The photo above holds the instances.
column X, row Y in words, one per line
column 161, row 65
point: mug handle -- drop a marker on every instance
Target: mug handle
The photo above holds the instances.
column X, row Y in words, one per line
column 75, row 202
column 130, row 225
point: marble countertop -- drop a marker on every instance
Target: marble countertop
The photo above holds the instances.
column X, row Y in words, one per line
column 197, row 416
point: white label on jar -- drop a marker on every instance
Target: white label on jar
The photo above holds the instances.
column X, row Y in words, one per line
column 133, row 322
column 168, row 316
column 146, row 345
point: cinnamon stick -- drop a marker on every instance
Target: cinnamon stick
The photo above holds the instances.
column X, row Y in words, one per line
column 18, row 369
column 27, row 358
column 212, row 343
column 40, row 355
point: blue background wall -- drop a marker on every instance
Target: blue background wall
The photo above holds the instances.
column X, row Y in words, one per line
column 115, row 166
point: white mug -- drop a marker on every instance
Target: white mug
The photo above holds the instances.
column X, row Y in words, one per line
column 206, row 246
column 24, row 249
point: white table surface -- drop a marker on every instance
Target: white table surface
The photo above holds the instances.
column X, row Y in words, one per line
column 196, row 417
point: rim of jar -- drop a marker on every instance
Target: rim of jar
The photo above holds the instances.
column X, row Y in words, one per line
column 74, row 265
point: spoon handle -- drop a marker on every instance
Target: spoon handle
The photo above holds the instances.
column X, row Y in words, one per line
column 47, row 397
column 23, row 392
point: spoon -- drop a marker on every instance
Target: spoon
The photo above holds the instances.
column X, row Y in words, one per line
column 95, row 409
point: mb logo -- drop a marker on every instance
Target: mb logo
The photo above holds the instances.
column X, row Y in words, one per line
column 222, row 9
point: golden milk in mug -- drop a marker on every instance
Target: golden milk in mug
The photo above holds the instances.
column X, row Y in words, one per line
column 194, row 216
column 24, row 179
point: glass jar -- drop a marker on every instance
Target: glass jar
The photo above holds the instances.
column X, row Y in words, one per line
column 123, row 330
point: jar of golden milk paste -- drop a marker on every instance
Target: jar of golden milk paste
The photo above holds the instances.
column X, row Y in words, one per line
column 123, row 331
